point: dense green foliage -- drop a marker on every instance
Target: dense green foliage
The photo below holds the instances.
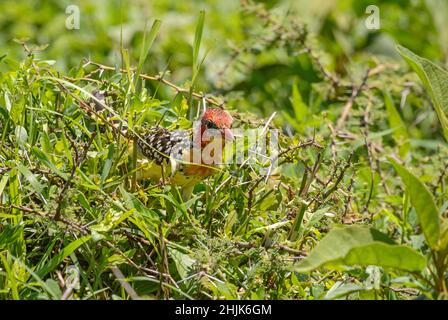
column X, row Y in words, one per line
column 357, row 208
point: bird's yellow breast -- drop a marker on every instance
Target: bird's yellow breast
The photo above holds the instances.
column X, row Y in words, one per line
column 181, row 173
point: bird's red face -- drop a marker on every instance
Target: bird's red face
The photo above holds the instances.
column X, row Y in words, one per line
column 217, row 121
column 212, row 134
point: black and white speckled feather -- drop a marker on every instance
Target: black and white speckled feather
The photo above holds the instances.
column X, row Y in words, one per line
column 159, row 144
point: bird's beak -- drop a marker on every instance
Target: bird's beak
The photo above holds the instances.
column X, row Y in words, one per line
column 228, row 135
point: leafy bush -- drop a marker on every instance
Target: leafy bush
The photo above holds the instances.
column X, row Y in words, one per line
column 357, row 208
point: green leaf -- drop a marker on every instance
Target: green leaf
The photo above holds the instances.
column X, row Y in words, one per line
column 84, row 202
column 52, row 286
column 339, row 290
column 300, row 108
column 443, row 243
column 21, row 135
column 268, row 227
column 37, row 186
column 108, row 163
column 363, row 246
column 11, row 277
column 148, row 40
column 400, row 134
column 88, row 182
column 4, row 113
column 7, row 102
column 42, row 157
column 57, row 259
column 134, row 203
column 230, row 222
column 423, row 202
column 197, row 41
column 385, row 255
column 9, row 236
column 45, row 142
column 3, row 183
column 435, row 80
column 127, row 64
column 292, row 121
column 184, row 262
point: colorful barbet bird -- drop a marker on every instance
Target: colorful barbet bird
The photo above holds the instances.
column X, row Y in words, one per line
column 180, row 157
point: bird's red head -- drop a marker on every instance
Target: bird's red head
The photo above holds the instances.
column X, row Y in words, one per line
column 217, row 119
column 220, row 118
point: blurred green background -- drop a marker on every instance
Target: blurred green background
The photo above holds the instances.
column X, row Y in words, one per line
column 416, row 24
column 262, row 72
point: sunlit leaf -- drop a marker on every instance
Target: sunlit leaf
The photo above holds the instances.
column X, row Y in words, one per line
column 435, row 80
column 37, row 186
column 400, row 134
column 42, row 157
column 57, row 259
column 423, row 202
column 360, row 246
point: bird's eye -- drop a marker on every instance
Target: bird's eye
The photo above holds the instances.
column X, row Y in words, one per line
column 210, row 124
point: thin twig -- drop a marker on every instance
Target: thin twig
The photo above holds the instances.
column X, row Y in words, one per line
column 76, row 163
column 281, row 247
column 355, row 93
column 159, row 78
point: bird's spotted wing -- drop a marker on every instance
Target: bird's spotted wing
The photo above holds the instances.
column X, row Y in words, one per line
column 160, row 144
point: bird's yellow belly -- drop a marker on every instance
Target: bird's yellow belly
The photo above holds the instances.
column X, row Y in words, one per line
column 190, row 174
column 181, row 173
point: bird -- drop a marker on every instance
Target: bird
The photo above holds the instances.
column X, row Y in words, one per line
column 177, row 157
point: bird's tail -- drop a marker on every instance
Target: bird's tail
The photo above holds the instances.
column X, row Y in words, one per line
column 98, row 109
